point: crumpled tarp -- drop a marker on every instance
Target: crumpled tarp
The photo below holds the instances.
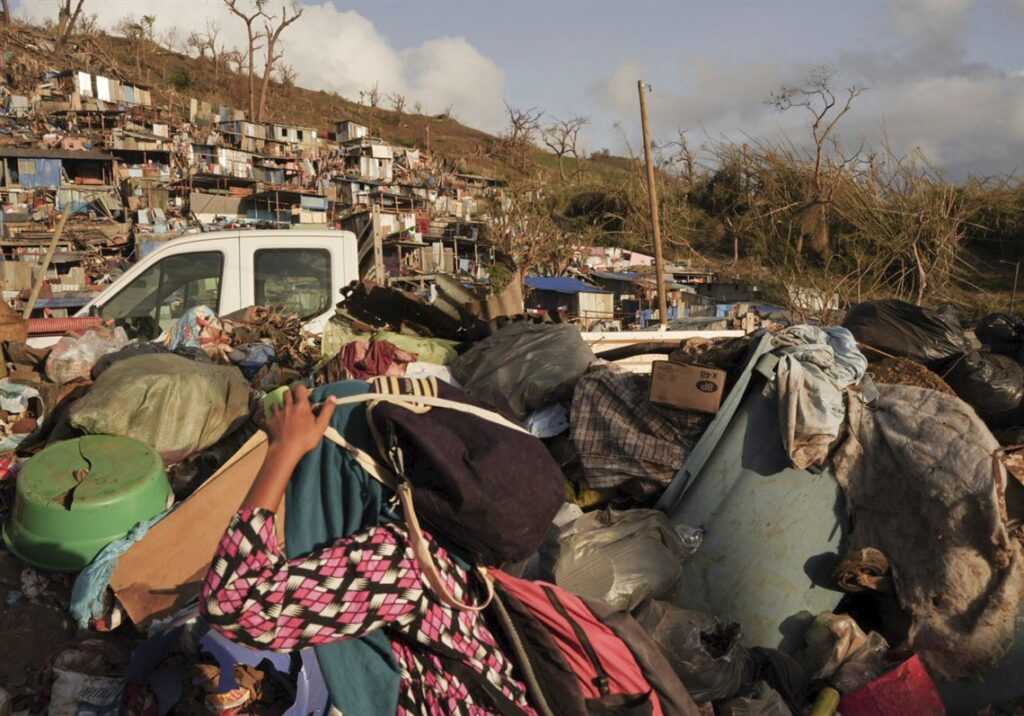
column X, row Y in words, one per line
column 924, row 486
column 623, row 439
column 175, row 405
column 815, row 368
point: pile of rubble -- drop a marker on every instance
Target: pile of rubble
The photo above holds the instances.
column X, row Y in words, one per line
column 800, row 528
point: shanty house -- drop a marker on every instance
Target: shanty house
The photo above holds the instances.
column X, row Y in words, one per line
column 35, row 168
column 347, row 130
column 555, row 294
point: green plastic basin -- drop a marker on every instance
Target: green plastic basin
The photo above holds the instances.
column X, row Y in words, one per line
column 60, row 522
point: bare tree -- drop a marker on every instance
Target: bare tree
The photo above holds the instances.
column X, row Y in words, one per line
column 66, row 19
column 398, row 102
column 272, row 35
column 684, row 158
column 253, row 35
column 418, row 108
column 562, row 138
column 140, row 34
column 523, row 127
column 237, row 58
column 286, row 75
column 373, row 95
column 826, row 109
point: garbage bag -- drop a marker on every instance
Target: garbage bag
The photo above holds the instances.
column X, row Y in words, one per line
column 620, row 557
column 73, row 357
column 705, row 654
column 176, row 406
column 1001, row 333
column 524, row 366
column 991, row 384
column 764, row 701
column 904, row 330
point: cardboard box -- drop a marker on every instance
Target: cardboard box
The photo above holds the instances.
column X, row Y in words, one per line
column 687, row 387
column 165, row 570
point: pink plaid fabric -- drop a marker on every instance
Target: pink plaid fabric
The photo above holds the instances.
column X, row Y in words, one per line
column 254, row 595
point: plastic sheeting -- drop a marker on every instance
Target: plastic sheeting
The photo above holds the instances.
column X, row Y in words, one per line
column 620, row 558
column 175, row 405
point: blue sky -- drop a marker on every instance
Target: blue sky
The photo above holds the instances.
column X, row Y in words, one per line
column 943, row 76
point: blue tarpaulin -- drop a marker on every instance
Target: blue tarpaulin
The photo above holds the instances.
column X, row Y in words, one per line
column 39, row 173
column 561, row 284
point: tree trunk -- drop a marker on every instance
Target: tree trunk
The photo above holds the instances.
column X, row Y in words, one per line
column 7, row 11
column 267, row 68
column 252, row 81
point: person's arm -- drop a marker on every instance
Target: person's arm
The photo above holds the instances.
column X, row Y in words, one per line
column 294, row 429
column 254, row 595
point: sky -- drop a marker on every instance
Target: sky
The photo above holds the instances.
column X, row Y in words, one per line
column 940, row 77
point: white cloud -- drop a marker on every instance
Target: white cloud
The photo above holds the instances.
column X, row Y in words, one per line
column 341, row 51
column 965, row 117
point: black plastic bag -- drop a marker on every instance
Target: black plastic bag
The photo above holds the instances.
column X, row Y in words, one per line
column 524, row 366
column 907, row 331
column 991, row 384
column 1001, row 333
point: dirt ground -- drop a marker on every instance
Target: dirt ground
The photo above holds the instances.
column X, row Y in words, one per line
column 35, row 628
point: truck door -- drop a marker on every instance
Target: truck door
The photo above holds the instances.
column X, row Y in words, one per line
column 202, row 273
column 289, row 271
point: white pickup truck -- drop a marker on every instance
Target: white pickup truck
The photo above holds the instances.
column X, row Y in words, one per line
column 303, row 270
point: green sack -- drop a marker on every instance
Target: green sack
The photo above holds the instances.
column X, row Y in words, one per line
column 175, row 405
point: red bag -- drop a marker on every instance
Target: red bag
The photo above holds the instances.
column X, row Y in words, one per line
column 582, row 658
column 907, row 690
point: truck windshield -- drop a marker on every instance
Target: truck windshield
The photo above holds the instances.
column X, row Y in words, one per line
column 299, row 279
column 169, row 287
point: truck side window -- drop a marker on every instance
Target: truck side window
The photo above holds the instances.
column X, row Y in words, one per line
column 298, row 279
column 169, row 287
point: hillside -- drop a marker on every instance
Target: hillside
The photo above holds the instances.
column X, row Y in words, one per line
column 175, row 78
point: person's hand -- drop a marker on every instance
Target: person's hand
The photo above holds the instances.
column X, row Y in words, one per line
column 294, row 428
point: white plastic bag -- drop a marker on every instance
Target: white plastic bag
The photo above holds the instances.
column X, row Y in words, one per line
column 73, row 357
column 621, row 557
column 86, row 682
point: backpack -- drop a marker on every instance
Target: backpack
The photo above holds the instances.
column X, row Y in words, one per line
column 582, row 658
column 482, row 485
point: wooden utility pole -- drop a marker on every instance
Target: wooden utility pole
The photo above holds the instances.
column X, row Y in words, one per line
column 652, row 195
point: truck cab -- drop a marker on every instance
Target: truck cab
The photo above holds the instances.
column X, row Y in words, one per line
column 303, row 270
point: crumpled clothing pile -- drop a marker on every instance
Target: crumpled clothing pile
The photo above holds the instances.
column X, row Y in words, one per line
column 816, row 367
